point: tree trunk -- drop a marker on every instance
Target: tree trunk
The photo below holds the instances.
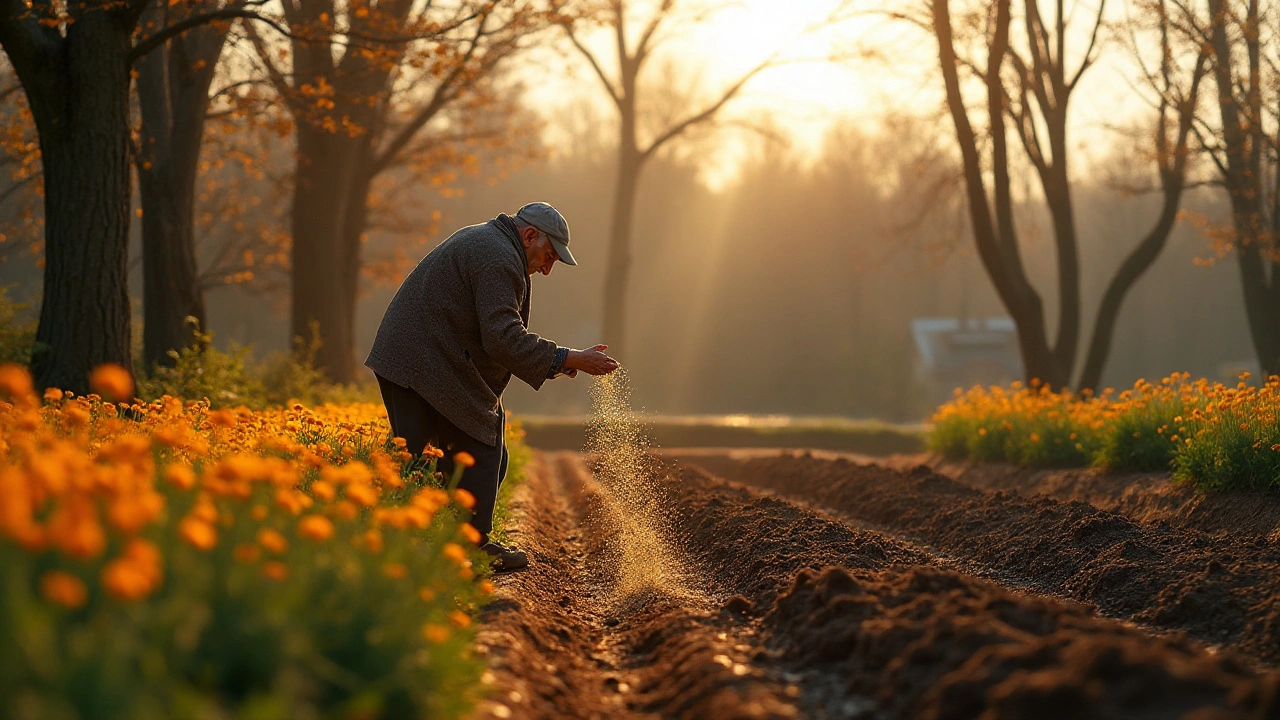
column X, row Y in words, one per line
column 994, row 233
column 355, row 224
column 1133, row 268
column 319, row 254
column 1245, row 188
column 173, row 100
column 1262, row 306
column 83, row 120
column 617, row 273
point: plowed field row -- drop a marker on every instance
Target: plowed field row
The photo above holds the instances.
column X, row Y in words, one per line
column 805, row 591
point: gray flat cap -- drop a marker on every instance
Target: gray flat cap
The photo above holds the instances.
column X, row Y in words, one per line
column 550, row 221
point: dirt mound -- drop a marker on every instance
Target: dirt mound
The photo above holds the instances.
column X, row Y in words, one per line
column 1149, row 498
column 1219, row 589
column 929, row 643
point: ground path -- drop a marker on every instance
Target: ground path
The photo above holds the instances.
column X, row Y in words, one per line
column 784, row 585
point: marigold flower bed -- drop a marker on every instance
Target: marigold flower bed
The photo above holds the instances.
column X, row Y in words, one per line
column 164, row 559
column 1211, row 435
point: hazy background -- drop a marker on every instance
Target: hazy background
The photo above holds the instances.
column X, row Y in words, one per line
column 778, row 268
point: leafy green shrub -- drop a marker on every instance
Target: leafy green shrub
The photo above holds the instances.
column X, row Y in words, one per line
column 203, row 371
column 1142, row 435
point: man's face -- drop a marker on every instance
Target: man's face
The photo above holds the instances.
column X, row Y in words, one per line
column 539, row 253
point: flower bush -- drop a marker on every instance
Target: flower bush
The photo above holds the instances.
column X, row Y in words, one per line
column 1211, row 435
column 168, row 559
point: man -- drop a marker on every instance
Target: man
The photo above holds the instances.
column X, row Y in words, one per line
column 453, row 336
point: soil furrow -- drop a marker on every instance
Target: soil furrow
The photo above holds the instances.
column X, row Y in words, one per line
column 571, row 638
column 1148, row 498
column 1218, row 589
column 781, row 611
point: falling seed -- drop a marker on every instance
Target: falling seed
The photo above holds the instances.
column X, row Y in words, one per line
column 515, row 696
column 739, row 669
column 723, row 660
column 632, row 500
column 501, row 711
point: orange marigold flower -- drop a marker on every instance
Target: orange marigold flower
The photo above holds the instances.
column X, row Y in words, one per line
column 112, row 382
column 362, row 494
column 454, row 552
column 180, row 476
column 275, row 570
column 124, row 580
column 465, row 498
column 395, row 571
column 435, row 634
column 372, row 540
column 471, row 533
column 74, row 528
column 399, row 442
column 135, row 574
column 272, row 541
column 15, row 381
column 427, row 594
column 259, row 512
column 315, row 527
column 465, row 459
column 486, row 587
column 245, row 553
column 129, row 514
column 200, row 534
column 345, row 510
column 63, row 588
column 323, row 490
column 52, row 395
column 459, row 618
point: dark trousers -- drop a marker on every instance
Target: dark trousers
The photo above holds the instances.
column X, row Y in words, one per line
column 415, row 420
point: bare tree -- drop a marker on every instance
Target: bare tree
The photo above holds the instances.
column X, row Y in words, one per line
column 1028, row 87
column 624, row 91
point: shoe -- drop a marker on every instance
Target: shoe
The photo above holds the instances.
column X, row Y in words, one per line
column 505, row 559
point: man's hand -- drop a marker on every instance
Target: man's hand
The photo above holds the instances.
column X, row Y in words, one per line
column 592, row 361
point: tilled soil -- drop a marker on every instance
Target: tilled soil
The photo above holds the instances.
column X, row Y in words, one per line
column 761, row 604
column 1144, row 497
column 1215, row 587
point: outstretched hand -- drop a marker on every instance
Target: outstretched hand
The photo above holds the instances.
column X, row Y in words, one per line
column 592, row 361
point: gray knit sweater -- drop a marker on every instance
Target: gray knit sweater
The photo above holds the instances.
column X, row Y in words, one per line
column 456, row 330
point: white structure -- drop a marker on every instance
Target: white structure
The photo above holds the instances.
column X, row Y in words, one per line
column 955, row 352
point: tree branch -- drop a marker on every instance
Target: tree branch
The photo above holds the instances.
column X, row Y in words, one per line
column 708, row 112
column 614, row 94
column 1088, row 53
column 159, row 37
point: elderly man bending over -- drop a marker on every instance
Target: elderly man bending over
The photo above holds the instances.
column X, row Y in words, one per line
column 456, row 332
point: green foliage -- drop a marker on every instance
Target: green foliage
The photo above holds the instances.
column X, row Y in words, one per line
column 518, row 456
column 17, row 333
column 1142, row 436
column 203, row 371
column 1211, row 436
column 232, row 378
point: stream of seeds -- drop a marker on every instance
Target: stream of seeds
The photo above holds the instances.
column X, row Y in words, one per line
column 617, row 440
